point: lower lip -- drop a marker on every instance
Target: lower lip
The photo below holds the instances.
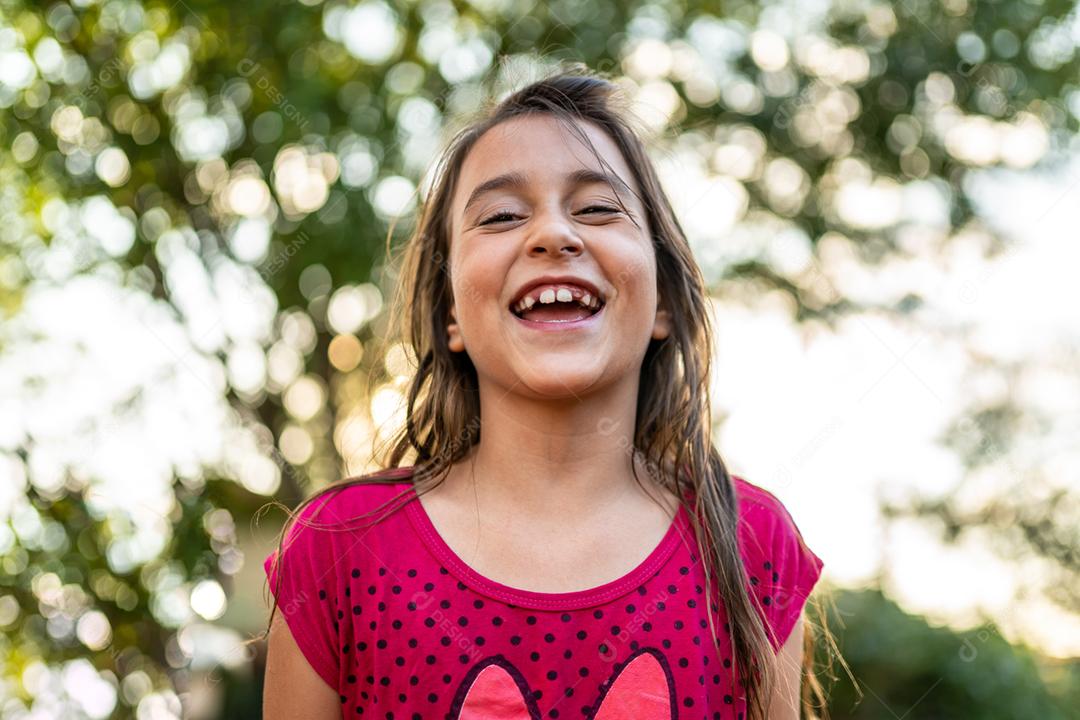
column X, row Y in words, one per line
column 582, row 324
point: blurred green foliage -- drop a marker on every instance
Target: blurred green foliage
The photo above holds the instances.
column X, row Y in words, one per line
column 906, row 667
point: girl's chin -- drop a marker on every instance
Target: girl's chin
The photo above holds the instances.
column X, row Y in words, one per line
column 557, row 389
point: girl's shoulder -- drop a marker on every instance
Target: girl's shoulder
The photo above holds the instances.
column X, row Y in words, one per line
column 782, row 568
column 763, row 517
column 755, row 500
column 327, row 544
column 338, row 514
column 357, row 496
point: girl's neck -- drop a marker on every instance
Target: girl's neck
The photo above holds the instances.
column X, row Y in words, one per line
column 546, row 459
column 532, row 482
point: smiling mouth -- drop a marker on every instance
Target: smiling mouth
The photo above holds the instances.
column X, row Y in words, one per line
column 557, row 311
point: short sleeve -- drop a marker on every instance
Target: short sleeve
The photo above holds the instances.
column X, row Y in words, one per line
column 303, row 583
column 782, row 570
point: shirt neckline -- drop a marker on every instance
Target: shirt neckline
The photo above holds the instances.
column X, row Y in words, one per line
column 573, row 600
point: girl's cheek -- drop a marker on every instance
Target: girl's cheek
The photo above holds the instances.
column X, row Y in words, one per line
column 477, row 294
column 634, row 273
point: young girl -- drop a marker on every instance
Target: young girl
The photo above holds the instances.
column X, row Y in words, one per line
column 566, row 541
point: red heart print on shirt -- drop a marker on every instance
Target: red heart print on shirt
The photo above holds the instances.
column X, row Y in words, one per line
column 641, row 688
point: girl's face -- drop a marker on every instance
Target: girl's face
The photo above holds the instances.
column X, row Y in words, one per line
column 525, row 229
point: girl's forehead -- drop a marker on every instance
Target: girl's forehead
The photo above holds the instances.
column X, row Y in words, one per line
column 541, row 150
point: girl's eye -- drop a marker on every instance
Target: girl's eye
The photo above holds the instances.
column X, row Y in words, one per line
column 602, row 208
column 496, row 216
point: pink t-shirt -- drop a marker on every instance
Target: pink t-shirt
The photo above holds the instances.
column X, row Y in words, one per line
column 389, row 616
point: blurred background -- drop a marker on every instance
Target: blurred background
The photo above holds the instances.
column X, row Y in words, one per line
column 196, row 201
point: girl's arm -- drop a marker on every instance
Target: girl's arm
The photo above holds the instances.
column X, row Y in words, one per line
column 784, row 703
column 292, row 688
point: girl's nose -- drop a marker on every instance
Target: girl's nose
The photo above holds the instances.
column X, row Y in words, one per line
column 553, row 235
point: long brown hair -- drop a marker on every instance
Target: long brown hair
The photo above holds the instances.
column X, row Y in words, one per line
column 672, row 429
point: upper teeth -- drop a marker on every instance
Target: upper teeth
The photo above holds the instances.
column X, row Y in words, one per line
column 562, row 294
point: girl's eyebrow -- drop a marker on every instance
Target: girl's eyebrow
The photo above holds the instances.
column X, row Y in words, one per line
column 516, row 180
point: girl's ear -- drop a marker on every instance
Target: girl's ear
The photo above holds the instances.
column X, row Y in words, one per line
column 662, row 324
column 455, row 341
